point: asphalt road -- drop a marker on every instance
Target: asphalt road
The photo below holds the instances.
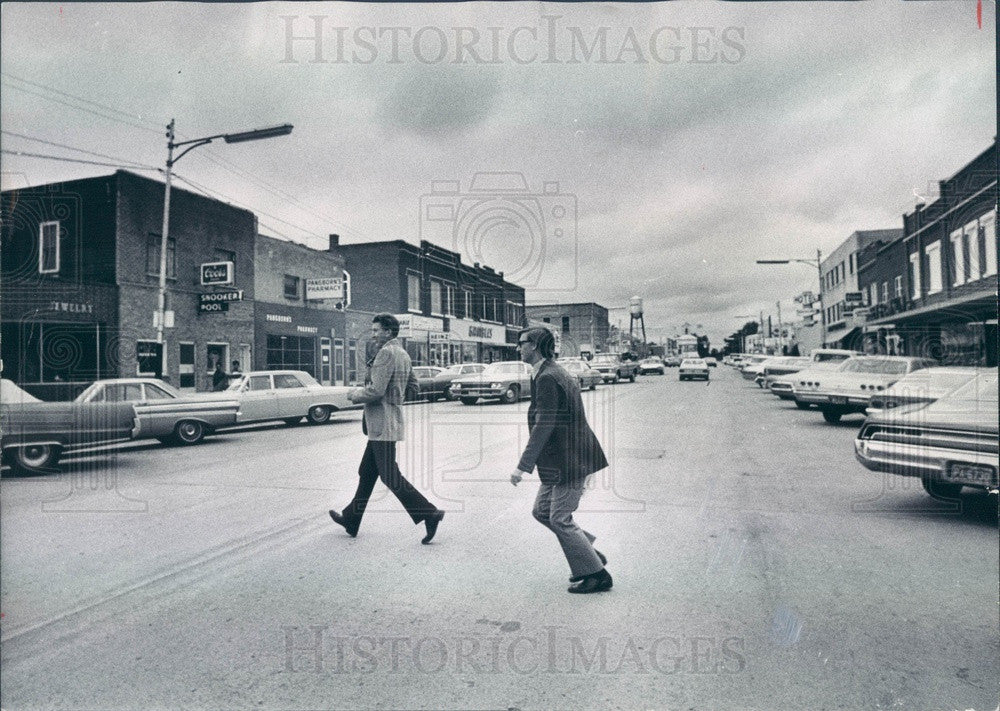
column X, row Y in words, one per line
column 756, row 566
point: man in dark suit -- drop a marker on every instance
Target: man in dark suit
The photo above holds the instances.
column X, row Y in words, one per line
column 566, row 452
column 390, row 375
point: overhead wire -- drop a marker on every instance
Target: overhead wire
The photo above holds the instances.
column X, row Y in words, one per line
column 74, row 148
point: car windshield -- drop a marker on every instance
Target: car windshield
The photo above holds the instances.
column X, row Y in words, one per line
column 503, row 368
column 454, row 369
column 875, row 365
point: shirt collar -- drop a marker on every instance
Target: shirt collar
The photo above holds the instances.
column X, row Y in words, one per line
column 537, row 367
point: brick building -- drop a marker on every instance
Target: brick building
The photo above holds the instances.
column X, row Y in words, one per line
column 81, row 282
column 449, row 312
column 582, row 326
column 299, row 318
column 941, row 273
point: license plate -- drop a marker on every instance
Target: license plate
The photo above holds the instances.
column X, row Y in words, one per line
column 970, row 473
column 837, row 400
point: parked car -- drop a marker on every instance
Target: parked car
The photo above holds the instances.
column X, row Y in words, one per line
column 448, row 375
column 427, row 384
column 786, row 383
column 164, row 412
column 672, row 361
column 614, row 367
column 849, row 388
column 508, row 382
column 746, row 365
column 949, row 444
column 585, row 375
column 774, row 370
column 692, row 368
column 651, row 365
column 921, row 387
column 287, row 395
column 712, row 362
column 34, row 434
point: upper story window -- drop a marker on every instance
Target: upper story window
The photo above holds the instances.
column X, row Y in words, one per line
column 988, row 242
column 466, row 303
column 449, row 299
column 958, row 264
column 873, row 294
column 885, row 291
column 412, row 291
column 565, row 324
column 436, row 307
column 898, row 284
column 852, row 263
column 48, row 248
column 970, row 244
column 153, row 256
column 933, row 252
column 291, row 286
column 915, row 290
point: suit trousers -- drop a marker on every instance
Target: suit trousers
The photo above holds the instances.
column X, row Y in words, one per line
column 554, row 507
column 379, row 462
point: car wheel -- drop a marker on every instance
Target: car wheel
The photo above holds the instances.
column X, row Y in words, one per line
column 35, row 458
column 631, row 378
column 802, row 405
column 941, row 490
column 593, row 386
column 292, row 420
column 614, row 380
column 448, row 396
column 318, row 414
column 189, row 432
column 510, row 394
column 469, row 400
column 832, row 415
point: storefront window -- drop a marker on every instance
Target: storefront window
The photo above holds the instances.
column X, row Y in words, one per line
column 291, row 353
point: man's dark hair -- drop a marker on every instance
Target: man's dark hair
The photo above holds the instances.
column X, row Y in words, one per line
column 389, row 322
column 545, row 342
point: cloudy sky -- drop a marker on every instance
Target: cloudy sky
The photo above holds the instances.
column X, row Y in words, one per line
column 659, row 148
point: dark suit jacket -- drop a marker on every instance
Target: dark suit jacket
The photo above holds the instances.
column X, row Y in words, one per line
column 561, row 443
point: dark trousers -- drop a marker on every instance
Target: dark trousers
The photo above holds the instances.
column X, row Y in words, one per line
column 379, row 462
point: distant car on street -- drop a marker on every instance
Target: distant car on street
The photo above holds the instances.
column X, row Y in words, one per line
column 428, row 387
column 672, row 361
column 585, row 375
column 36, row 433
column 508, row 382
column 614, row 367
column 948, row 444
column 692, row 368
column 287, row 395
column 447, row 376
column 651, row 365
column 164, row 412
column 921, row 387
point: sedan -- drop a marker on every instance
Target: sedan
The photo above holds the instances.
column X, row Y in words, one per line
column 287, row 395
column 446, row 377
column 921, row 387
column 35, row 433
column 948, row 444
column 672, row 361
column 651, row 365
column 165, row 413
column 507, row 382
column 585, row 375
column 428, row 385
column 692, row 368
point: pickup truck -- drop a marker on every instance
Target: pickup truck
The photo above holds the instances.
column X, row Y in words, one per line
column 35, row 433
column 614, row 367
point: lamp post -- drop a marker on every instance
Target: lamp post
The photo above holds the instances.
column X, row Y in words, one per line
column 255, row 135
column 818, row 263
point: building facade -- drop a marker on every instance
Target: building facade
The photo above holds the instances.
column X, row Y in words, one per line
column 449, row 312
column 583, row 327
column 80, row 290
column 941, row 274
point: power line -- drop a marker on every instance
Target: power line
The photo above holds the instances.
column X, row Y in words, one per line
column 74, row 160
column 74, row 148
column 85, row 110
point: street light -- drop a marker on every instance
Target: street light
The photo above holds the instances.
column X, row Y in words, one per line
column 818, row 263
column 255, row 135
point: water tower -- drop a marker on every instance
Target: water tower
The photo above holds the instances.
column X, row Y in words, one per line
column 635, row 314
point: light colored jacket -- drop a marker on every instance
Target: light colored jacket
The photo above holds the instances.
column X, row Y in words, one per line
column 384, row 395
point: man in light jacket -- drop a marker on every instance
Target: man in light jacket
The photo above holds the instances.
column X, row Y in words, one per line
column 565, row 451
column 383, row 396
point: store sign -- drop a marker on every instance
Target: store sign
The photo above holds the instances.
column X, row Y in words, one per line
column 325, row 288
column 220, row 297
column 278, row 317
column 217, row 273
column 440, row 337
column 307, row 329
column 464, row 330
column 71, row 307
column 212, row 307
column 416, row 326
column 854, row 297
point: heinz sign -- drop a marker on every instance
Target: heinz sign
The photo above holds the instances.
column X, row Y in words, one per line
column 217, row 274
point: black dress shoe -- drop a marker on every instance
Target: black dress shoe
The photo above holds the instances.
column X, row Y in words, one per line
column 604, row 561
column 598, row 582
column 431, row 522
column 352, row 530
